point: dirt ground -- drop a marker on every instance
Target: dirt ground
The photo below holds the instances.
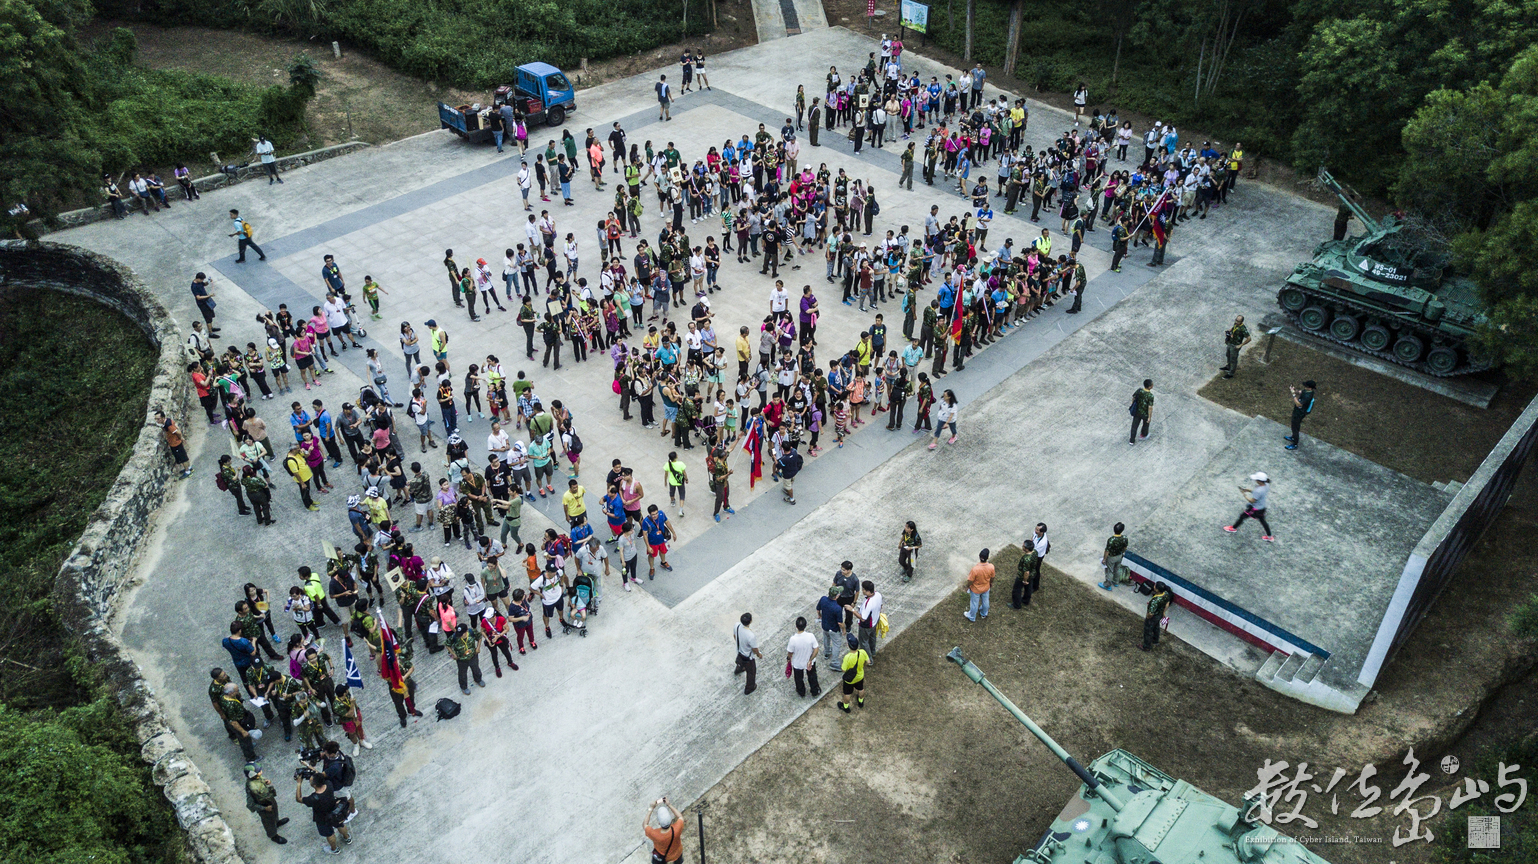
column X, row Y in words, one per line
column 933, row 769
column 1413, row 431
column 360, row 98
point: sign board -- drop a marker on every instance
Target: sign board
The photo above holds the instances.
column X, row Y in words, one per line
column 915, row 16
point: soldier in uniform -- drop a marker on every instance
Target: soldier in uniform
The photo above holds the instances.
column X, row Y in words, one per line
column 1080, row 281
column 237, row 720
column 1142, row 409
column 307, row 721
column 814, row 117
column 1156, row 605
column 217, row 679
column 906, row 179
column 405, row 697
column 931, row 156
column 1020, row 592
column 319, row 680
column 1016, row 181
column 1110, row 560
column 1118, row 243
column 262, row 799
column 1235, row 339
column 465, row 645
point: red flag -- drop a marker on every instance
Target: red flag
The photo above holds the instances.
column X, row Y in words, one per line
column 957, row 317
column 389, row 659
column 753, row 442
column 1156, row 222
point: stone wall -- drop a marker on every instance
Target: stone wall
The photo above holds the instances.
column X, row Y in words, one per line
column 71, row 218
column 88, row 585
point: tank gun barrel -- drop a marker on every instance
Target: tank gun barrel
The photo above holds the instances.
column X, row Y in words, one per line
column 1090, row 782
column 1348, row 196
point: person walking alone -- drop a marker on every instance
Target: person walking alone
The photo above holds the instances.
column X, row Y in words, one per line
column 800, row 657
column 1141, row 410
column 1256, row 496
column 1234, row 339
column 748, row 653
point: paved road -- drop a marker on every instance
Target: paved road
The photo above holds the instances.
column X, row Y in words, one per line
column 552, row 762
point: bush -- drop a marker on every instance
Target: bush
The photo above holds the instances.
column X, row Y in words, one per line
column 72, row 794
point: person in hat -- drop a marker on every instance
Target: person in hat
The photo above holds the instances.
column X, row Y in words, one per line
column 262, row 799
column 1256, row 509
column 465, row 645
column 668, row 835
column 855, row 661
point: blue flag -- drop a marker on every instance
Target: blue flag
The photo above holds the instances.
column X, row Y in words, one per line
column 354, row 679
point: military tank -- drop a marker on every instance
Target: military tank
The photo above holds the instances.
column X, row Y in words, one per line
column 1129, row 812
column 1387, row 293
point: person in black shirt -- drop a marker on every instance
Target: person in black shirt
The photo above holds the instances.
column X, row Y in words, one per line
column 1302, row 406
column 323, row 806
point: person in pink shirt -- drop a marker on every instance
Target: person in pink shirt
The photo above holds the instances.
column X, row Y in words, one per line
column 304, row 358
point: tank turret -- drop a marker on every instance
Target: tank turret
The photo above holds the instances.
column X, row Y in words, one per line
column 1128, row 812
column 1387, row 293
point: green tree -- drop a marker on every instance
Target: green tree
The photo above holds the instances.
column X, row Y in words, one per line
column 69, row 796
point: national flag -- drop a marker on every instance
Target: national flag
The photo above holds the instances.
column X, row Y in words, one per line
column 1156, row 222
column 389, row 658
column 354, row 678
column 753, row 443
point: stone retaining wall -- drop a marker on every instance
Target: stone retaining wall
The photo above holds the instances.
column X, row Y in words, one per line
column 254, row 170
column 88, row 585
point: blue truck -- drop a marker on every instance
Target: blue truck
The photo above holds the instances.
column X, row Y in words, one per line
column 540, row 94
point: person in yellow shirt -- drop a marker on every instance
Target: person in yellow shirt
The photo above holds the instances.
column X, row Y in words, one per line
column 1043, row 243
column 854, row 674
column 863, row 353
column 574, row 501
column 744, row 352
column 1235, row 162
column 298, row 468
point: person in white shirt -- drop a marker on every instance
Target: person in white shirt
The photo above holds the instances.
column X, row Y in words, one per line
column 588, row 555
column 264, row 151
column 779, row 298
column 799, row 652
column 747, row 653
column 440, row 578
column 498, row 442
column 869, row 613
column 524, row 184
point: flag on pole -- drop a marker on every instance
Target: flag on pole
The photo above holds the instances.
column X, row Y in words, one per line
column 354, row 678
column 753, row 442
column 389, row 658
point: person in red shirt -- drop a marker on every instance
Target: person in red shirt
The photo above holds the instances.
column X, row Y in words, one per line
column 668, row 840
column 206, row 396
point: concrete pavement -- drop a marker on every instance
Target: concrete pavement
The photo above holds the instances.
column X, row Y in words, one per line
column 555, row 761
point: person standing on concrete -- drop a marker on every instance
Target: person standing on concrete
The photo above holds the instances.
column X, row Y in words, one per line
column 1234, row 340
column 979, row 582
column 814, row 117
column 245, row 233
column 323, row 807
column 1157, row 604
column 1141, row 410
column 870, row 615
column 748, row 653
column 1302, row 406
column 1110, row 560
column 800, row 652
column 1257, row 496
column 664, row 98
column 832, row 615
column 908, row 549
column 668, row 837
column 465, row 645
column 262, row 799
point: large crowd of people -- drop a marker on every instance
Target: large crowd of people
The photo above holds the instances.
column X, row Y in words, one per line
column 770, row 387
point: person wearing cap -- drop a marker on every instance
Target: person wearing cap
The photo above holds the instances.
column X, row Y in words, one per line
column 853, row 666
column 1256, row 497
column 465, row 645
column 1157, row 604
column 262, row 799
column 668, row 835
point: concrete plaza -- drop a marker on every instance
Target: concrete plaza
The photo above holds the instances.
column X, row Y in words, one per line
column 557, row 761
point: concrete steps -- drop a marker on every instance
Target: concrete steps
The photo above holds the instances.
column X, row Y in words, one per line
column 1451, row 487
column 1300, row 668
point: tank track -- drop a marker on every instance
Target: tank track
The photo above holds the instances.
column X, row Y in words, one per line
column 1428, row 334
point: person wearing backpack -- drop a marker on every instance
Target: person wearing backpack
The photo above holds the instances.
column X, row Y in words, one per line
column 244, row 232
column 324, row 808
column 1302, row 406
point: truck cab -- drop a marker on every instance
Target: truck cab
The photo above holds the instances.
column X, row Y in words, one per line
column 542, row 93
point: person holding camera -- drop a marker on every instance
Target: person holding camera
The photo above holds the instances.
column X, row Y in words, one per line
column 668, row 835
column 262, row 799
column 329, row 813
